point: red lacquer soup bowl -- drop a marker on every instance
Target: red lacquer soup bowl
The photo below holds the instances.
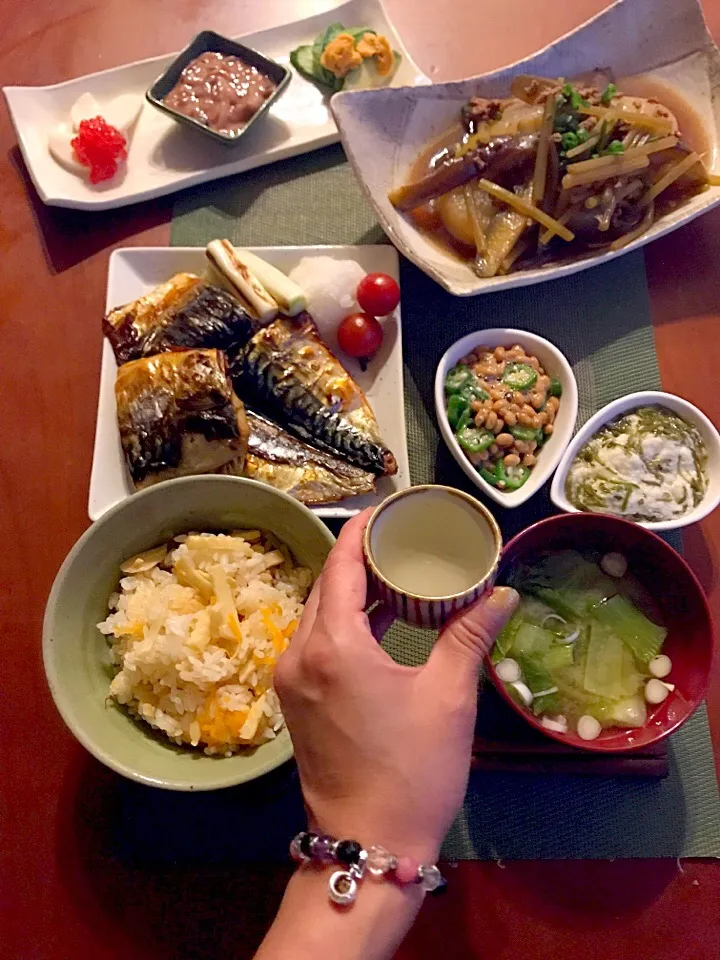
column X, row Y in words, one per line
column 675, row 589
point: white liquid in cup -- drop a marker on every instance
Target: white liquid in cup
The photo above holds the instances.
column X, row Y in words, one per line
column 433, row 544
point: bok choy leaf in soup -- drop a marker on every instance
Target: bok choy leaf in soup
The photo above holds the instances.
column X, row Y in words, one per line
column 583, row 642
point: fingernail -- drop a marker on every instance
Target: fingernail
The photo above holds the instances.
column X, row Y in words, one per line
column 505, row 597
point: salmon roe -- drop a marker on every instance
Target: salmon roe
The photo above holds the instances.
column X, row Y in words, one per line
column 99, row 146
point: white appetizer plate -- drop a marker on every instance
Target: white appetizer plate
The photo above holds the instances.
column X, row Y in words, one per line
column 616, row 409
column 135, row 271
column 165, row 156
column 555, row 364
column 384, row 131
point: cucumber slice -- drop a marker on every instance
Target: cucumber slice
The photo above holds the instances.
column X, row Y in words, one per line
column 323, row 76
column 325, row 37
column 357, row 33
column 302, row 59
column 366, row 76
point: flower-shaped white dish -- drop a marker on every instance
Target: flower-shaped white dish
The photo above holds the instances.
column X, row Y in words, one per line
column 555, row 365
column 384, row 131
column 616, row 409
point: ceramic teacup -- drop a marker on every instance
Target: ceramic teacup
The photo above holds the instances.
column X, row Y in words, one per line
column 430, row 551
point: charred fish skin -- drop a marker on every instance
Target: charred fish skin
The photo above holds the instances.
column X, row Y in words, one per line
column 310, row 475
column 126, row 327
column 178, row 414
column 186, row 312
column 210, row 318
column 261, row 380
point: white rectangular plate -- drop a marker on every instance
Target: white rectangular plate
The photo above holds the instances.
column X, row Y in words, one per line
column 164, row 155
column 383, row 131
column 135, row 271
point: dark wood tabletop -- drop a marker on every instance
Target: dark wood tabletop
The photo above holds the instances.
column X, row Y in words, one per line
column 63, row 891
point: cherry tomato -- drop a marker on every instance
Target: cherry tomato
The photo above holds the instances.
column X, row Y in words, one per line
column 360, row 335
column 378, row 294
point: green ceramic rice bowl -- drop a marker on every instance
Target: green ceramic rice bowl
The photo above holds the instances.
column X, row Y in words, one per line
column 77, row 656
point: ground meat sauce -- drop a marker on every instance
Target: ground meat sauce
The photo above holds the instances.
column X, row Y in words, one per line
column 220, row 91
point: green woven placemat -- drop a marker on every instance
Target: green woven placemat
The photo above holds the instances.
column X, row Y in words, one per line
column 601, row 320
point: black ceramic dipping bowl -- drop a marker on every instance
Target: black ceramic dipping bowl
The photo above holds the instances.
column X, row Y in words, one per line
column 210, row 42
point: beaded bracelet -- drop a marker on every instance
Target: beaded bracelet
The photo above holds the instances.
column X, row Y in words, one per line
column 343, row 884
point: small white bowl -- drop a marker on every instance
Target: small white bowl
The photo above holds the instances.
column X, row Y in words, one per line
column 555, row 364
column 616, row 409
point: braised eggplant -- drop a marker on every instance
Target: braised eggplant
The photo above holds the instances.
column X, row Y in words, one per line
column 555, row 170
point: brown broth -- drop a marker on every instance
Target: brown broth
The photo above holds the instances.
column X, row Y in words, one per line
column 427, row 219
column 692, row 129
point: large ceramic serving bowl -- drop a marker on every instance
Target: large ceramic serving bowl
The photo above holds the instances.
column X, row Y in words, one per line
column 674, row 587
column 618, row 408
column 77, row 657
column 384, row 131
column 555, row 364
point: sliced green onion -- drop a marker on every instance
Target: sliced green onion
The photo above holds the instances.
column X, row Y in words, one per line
column 608, row 93
column 489, row 476
column 526, row 434
column 456, row 406
column 475, row 439
column 459, row 377
column 519, row 376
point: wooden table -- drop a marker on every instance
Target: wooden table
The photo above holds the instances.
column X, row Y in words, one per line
column 64, row 893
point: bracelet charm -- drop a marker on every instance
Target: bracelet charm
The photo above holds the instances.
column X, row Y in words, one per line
column 343, row 888
column 344, row 883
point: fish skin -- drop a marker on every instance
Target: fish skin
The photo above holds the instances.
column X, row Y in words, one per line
column 286, row 370
column 178, row 415
column 185, row 312
column 306, row 473
column 297, row 344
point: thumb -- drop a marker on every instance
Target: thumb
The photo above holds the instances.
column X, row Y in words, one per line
column 466, row 639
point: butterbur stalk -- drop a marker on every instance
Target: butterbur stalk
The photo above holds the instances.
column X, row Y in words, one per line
column 541, row 160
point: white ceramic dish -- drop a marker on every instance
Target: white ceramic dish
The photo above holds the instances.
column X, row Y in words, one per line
column 135, row 271
column 632, row 401
column 384, row 131
column 163, row 155
column 555, row 365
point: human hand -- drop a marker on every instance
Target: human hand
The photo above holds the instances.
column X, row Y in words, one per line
column 383, row 750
